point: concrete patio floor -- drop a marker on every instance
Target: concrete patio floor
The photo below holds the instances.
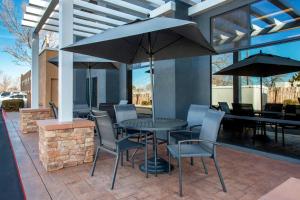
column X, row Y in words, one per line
column 247, row 176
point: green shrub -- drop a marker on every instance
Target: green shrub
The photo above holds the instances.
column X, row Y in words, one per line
column 146, row 103
column 290, row 102
column 12, row 105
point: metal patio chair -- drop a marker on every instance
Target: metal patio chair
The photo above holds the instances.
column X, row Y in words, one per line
column 195, row 118
column 126, row 112
column 204, row 146
column 109, row 143
column 224, row 107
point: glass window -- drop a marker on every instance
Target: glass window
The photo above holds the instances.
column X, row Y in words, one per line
column 230, row 30
column 257, row 24
column 222, row 86
column 284, row 89
column 274, row 20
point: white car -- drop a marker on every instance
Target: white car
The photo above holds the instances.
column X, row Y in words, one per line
column 4, row 96
column 9, row 95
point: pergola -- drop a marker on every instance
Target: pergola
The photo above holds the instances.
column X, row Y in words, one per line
column 83, row 18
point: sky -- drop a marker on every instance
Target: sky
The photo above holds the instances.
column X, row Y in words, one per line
column 140, row 78
column 7, row 64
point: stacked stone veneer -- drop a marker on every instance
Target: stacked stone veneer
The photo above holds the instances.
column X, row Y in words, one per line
column 65, row 144
column 28, row 118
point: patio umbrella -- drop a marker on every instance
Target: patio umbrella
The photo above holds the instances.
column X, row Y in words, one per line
column 148, row 39
column 88, row 62
column 261, row 65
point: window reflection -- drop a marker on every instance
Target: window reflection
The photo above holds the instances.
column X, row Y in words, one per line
column 259, row 23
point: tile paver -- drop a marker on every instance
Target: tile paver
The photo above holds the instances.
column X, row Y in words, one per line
column 247, row 176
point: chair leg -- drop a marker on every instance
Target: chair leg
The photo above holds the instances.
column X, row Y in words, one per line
column 132, row 157
column 122, row 159
column 220, row 174
column 204, row 166
column 155, row 153
column 115, row 171
column 283, row 142
column 127, row 155
column 169, row 162
column 192, row 161
column 95, row 161
column 180, row 176
column 146, row 154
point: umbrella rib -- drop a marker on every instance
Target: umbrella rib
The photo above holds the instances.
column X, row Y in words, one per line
column 139, row 46
column 171, row 43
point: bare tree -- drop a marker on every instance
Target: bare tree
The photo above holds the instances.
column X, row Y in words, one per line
column 270, row 82
column 10, row 19
column 20, row 50
column 219, row 62
column 5, row 82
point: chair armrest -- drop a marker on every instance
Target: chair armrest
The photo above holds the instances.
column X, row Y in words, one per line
column 199, row 141
column 195, row 126
column 94, row 116
column 180, row 131
column 194, row 140
column 128, row 136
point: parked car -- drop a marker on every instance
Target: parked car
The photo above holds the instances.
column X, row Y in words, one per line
column 4, row 96
column 14, row 95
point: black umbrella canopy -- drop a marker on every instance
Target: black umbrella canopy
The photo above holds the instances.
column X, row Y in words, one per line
column 84, row 61
column 142, row 40
column 161, row 37
column 262, row 65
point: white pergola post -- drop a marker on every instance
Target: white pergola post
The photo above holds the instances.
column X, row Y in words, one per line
column 65, row 69
column 35, row 72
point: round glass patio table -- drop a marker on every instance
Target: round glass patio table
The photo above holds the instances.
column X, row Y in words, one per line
column 155, row 164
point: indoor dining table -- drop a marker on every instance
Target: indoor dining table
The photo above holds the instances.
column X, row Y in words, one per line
column 155, row 164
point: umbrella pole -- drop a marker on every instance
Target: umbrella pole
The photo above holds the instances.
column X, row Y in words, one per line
column 261, row 95
column 152, row 86
column 90, row 88
column 151, row 74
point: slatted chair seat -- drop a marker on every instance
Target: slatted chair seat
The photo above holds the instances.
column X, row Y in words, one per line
column 189, row 150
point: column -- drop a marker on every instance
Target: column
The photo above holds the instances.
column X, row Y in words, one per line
column 35, row 72
column 123, row 82
column 65, row 69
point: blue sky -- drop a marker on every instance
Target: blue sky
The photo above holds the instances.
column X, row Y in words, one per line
column 140, row 78
column 6, row 61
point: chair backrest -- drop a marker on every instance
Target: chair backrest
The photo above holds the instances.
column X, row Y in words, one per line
column 105, row 130
column 224, row 107
column 290, row 109
column 81, row 106
column 210, row 128
column 122, row 102
column 125, row 112
column 54, row 109
column 274, row 107
column 196, row 114
column 109, row 108
column 243, row 109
